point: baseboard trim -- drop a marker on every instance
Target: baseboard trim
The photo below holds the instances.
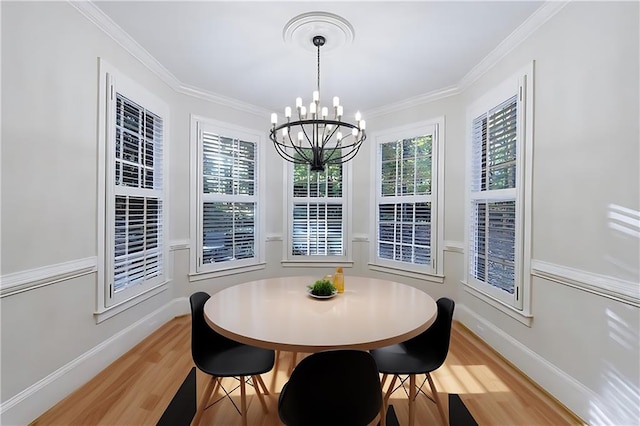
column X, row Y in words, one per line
column 575, row 396
column 32, row 402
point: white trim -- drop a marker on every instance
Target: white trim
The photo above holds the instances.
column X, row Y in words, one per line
column 103, row 314
column 520, row 34
column 435, row 127
column 425, row 276
column 316, row 263
column 413, row 102
column 180, row 245
column 30, row 279
column 525, row 318
column 113, row 30
column 198, row 276
column 570, row 392
column 197, row 126
column 602, row 285
column 27, row 405
column 454, row 246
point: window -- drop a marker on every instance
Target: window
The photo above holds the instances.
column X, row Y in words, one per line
column 133, row 190
column 317, row 212
column 227, row 202
column 500, row 166
column 406, row 209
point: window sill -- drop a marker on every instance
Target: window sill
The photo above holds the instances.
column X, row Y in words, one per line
column 106, row 313
column 407, row 273
column 205, row 275
column 522, row 316
column 306, row 263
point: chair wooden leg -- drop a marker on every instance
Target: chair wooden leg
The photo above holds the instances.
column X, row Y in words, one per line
column 434, row 392
column 384, row 379
column 412, row 399
column 203, row 400
column 387, row 395
column 243, row 401
column 294, row 359
column 256, row 386
column 264, row 387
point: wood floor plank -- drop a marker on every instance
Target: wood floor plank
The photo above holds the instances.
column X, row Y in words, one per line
column 137, row 388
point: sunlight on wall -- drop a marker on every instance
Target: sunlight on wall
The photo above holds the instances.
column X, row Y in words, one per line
column 619, row 402
column 624, row 220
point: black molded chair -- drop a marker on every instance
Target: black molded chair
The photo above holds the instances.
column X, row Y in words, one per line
column 220, row 357
column 421, row 355
column 337, row 387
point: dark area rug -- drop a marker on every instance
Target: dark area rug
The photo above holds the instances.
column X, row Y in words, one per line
column 182, row 407
column 458, row 413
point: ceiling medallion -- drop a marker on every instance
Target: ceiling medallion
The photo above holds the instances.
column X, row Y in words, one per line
column 336, row 30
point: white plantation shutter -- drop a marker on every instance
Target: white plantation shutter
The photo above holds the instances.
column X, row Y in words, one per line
column 228, row 199
column 404, row 214
column 138, row 196
column 317, row 211
column 492, row 242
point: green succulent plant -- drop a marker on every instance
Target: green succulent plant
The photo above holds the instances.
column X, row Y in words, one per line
column 322, row 288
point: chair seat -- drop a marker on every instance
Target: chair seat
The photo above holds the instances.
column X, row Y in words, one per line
column 237, row 360
column 403, row 359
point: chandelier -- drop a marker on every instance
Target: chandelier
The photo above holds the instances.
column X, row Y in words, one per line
column 316, row 137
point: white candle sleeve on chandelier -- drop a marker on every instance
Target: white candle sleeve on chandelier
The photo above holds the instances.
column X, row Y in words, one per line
column 298, row 103
column 303, row 112
column 336, row 101
column 358, row 116
column 316, row 96
column 339, row 111
column 363, row 124
column 312, row 108
column 274, row 118
column 325, row 112
column 287, row 112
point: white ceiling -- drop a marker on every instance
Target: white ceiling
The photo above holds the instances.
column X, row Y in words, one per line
column 400, row 49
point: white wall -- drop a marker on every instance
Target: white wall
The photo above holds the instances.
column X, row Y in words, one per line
column 582, row 347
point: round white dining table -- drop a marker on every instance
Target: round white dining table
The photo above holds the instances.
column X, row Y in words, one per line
column 278, row 313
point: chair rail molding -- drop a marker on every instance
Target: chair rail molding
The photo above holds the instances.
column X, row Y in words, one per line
column 18, row 282
column 606, row 286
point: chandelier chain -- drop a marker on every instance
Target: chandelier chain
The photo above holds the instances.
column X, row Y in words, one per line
column 318, row 68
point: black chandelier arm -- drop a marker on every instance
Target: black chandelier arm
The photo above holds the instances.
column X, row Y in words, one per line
column 283, row 149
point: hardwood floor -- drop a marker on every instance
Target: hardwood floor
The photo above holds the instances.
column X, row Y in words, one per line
column 136, row 388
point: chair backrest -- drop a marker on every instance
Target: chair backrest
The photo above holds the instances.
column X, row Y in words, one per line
column 338, row 387
column 437, row 337
column 204, row 340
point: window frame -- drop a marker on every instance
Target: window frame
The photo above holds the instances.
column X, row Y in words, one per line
column 109, row 302
column 520, row 84
column 435, row 271
column 289, row 260
column 198, row 270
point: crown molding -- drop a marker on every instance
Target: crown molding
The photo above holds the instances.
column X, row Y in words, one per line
column 106, row 24
column 90, row 11
column 520, row 34
column 413, row 102
column 222, row 100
